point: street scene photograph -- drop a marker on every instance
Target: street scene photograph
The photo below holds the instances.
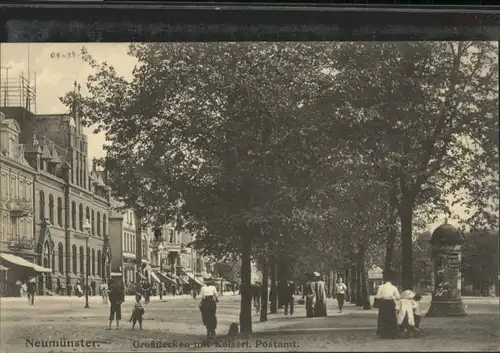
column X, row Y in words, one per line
column 249, row 196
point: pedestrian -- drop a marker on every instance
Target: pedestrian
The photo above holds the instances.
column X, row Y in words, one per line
column 93, row 287
column 310, row 296
column 288, row 296
column 406, row 320
column 78, row 289
column 137, row 312
column 417, row 312
column 103, row 289
column 256, row 293
column 70, row 289
column 320, row 307
column 340, row 289
column 146, row 291
column 385, row 301
column 116, row 298
column 208, row 307
column 31, row 290
column 58, row 286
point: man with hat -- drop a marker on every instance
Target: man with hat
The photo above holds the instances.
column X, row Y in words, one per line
column 208, row 306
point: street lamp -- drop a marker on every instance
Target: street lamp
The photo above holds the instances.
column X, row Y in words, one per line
column 86, row 229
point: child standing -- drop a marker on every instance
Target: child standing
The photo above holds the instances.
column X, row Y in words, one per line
column 417, row 313
column 137, row 313
column 406, row 320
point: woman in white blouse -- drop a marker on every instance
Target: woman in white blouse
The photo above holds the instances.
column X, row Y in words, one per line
column 387, row 296
column 208, row 307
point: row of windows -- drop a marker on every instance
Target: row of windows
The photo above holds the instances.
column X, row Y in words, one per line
column 92, row 267
column 95, row 222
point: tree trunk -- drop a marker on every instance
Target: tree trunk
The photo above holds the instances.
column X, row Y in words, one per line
column 391, row 236
column 365, row 294
column 138, row 250
column 264, row 293
column 347, row 279
column 354, row 283
column 359, row 293
column 246, row 295
column 274, row 302
column 406, row 217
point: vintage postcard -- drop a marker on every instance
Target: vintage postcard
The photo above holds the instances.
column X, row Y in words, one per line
column 249, row 196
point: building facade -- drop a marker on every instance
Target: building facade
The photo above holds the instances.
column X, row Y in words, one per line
column 17, row 180
column 124, row 244
column 68, row 196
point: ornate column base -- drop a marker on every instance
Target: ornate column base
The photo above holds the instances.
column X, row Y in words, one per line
column 443, row 308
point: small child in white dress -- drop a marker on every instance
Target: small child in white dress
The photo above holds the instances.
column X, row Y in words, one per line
column 406, row 305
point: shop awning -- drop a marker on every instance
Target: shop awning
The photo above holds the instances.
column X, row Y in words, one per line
column 190, row 275
column 3, row 268
column 164, row 278
column 155, row 277
column 16, row 260
column 200, row 280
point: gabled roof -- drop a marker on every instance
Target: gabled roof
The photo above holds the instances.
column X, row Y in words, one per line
column 46, row 152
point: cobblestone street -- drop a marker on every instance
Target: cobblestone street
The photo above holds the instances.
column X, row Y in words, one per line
column 176, row 323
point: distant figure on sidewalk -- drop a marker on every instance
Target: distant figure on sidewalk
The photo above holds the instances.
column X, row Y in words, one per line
column 93, row 287
column 137, row 312
column 31, row 290
column 256, row 293
column 116, row 298
column 58, row 286
column 288, row 296
column 78, row 289
column 417, row 312
column 103, row 291
column 340, row 289
column 319, row 288
column 208, row 307
column 386, row 298
column 310, row 296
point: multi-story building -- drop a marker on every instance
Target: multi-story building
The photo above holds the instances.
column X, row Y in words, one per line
column 174, row 259
column 71, row 202
column 16, row 202
column 124, row 243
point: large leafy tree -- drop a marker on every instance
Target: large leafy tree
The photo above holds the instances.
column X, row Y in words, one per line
column 426, row 113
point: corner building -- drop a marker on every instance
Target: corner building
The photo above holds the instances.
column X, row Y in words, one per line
column 66, row 195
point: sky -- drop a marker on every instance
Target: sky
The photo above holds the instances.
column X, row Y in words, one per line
column 56, row 76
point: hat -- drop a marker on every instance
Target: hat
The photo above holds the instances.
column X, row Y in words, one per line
column 316, row 274
column 208, row 280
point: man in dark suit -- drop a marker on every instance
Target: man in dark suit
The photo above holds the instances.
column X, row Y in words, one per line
column 288, row 296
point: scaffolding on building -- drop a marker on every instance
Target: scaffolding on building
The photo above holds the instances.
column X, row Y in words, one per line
column 17, row 91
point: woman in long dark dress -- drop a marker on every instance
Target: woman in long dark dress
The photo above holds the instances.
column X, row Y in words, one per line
column 208, row 307
column 310, row 296
column 387, row 295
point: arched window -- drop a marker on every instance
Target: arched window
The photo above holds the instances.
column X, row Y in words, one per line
column 42, row 205
column 99, row 259
column 80, row 216
column 51, row 209
column 92, row 222
column 60, row 257
column 82, row 260
column 73, row 215
column 59, row 212
column 99, row 223
column 74, row 261
column 93, row 263
column 87, row 213
column 104, row 225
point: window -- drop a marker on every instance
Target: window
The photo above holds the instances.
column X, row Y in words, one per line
column 99, row 223
column 51, row 209
column 93, row 223
column 42, row 205
column 74, row 262
column 93, row 262
column 82, row 260
column 73, row 215
column 104, row 225
column 80, row 216
column 172, row 236
column 87, row 213
column 59, row 212
column 99, row 273
column 60, row 257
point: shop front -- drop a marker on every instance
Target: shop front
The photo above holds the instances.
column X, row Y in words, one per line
column 19, row 271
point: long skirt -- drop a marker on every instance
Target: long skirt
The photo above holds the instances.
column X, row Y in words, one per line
column 320, row 308
column 208, row 313
column 387, row 325
column 310, row 306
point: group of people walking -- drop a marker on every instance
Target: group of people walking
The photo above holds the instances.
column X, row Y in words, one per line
column 315, row 296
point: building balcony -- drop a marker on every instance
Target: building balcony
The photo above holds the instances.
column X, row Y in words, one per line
column 20, row 207
column 22, row 243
